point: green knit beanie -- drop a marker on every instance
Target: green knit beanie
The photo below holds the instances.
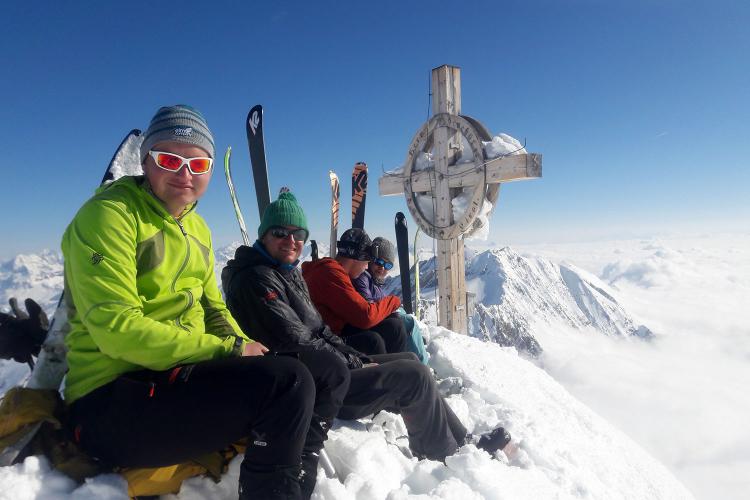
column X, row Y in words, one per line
column 285, row 211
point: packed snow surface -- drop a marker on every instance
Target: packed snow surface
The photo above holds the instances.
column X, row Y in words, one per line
column 566, row 450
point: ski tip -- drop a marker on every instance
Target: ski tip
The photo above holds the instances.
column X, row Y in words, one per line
column 254, row 120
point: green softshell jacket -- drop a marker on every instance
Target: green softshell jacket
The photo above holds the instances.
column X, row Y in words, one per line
column 140, row 288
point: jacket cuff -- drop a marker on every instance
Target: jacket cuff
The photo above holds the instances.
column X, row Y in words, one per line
column 239, row 346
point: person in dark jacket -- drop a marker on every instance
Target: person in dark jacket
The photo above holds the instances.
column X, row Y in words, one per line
column 370, row 327
column 270, row 300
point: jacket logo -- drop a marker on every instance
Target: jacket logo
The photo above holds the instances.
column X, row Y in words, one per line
column 254, row 121
column 96, row 258
column 259, row 439
column 271, row 295
column 184, row 132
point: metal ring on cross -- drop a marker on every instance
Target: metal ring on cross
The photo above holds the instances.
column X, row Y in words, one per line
column 473, row 132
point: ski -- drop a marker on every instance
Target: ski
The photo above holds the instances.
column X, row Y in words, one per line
column 254, row 129
column 335, row 191
column 416, row 274
column 233, row 195
column 51, row 365
column 359, row 194
column 402, row 247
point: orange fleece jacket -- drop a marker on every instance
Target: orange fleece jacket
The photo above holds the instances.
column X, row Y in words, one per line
column 338, row 302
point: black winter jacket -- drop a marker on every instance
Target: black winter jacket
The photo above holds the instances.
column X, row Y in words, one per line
column 272, row 305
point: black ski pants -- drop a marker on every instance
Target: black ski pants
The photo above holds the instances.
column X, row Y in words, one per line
column 401, row 384
column 388, row 336
column 150, row 419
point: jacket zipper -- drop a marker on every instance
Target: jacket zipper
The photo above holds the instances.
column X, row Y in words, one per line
column 182, row 268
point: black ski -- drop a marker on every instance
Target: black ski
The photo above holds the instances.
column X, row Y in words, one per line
column 51, row 364
column 402, row 246
column 359, row 194
column 254, row 129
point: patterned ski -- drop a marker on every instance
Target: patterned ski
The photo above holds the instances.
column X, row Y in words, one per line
column 359, row 194
column 335, row 192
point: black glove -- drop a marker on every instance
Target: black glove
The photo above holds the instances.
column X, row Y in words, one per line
column 22, row 334
column 354, row 361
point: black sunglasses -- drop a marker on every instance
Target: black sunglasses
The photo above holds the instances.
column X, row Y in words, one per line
column 383, row 263
column 282, row 233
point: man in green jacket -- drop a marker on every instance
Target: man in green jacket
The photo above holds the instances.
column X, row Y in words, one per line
column 159, row 371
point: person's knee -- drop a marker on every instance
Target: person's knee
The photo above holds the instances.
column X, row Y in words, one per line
column 370, row 342
column 394, row 331
column 331, row 375
column 413, row 376
column 394, row 324
column 378, row 344
column 410, row 356
column 294, row 382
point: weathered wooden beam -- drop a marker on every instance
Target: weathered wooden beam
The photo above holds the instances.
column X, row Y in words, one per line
column 503, row 169
column 446, row 89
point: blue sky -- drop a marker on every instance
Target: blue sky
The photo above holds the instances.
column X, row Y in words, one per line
column 640, row 108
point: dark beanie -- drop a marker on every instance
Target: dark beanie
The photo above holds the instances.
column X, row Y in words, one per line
column 178, row 123
column 354, row 244
column 285, row 211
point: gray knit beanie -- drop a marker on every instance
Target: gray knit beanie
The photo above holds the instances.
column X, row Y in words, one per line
column 178, row 123
column 384, row 249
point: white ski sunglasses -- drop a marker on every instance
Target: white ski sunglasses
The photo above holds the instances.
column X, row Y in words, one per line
column 173, row 163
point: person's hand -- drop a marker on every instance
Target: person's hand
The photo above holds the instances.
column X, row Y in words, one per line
column 254, row 349
column 22, row 333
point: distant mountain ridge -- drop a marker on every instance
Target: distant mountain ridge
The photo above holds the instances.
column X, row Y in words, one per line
column 38, row 276
column 512, row 292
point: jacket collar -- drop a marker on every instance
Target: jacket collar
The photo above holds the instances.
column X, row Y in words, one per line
column 258, row 246
column 157, row 204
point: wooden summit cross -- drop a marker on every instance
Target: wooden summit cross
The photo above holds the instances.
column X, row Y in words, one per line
column 442, row 136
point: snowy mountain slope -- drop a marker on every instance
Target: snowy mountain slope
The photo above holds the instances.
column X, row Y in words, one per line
column 512, row 292
column 567, row 451
column 39, row 276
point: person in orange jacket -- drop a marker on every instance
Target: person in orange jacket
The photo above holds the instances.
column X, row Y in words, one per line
column 369, row 327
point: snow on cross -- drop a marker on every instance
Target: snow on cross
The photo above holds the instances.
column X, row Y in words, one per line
column 442, row 134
